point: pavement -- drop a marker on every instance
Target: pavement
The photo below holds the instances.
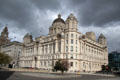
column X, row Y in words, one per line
column 43, row 76
column 24, row 75
column 46, row 71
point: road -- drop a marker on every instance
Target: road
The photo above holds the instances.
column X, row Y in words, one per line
column 10, row 75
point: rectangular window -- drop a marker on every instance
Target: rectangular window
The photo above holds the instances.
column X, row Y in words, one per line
column 71, row 64
column 44, row 63
column 76, row 64
column 71, row 48
column 76, row 36
column 71, row 41
column 76, row 48
column 66, row 41
column 41, row 63
column 71, row 35
column 67, row 36
column 76, row 41
column 71, row 56
column 66, row 48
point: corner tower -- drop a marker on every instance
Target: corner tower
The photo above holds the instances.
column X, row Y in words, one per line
column 102, row 40
column 27, row 38
column 71, row 23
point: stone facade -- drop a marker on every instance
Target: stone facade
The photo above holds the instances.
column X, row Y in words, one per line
column 14, row 50
column 83, row 51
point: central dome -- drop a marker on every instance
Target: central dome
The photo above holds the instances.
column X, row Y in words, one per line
column 59, row 19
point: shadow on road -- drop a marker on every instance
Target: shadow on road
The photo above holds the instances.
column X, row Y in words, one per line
column 4, row 75
column 117, row 74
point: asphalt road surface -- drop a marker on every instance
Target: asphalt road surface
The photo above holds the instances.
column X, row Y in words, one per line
column 10, row 75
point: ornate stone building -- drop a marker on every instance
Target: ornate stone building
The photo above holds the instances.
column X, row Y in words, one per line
column 83, row 51
column 13, row 49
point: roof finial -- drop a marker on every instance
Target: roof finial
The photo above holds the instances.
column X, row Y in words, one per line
column 59, row 15
column 71, row 15
column 102, row 36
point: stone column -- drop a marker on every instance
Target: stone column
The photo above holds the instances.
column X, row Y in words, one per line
column 48, row 49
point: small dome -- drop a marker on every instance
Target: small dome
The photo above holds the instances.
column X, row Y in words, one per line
column 27, row 35
column 59, row 19
column 71, row 16
column 102, row 36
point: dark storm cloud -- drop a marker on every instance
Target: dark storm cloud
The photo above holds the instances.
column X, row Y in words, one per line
column 103, row 15
column 15, row 10
column 23, row 12
column 97, row 12
column 36, row 16
column 46, row 4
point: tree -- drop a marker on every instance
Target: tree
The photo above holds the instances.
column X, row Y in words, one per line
column 103, row 67
column 106, row 68
column 61, row 65
column 5, row 59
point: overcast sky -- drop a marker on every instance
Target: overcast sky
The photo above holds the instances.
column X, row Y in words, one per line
column 36, row 16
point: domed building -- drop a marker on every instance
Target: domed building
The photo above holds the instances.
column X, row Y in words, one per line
column 82, row 51
column 57, row 26
column 59, row 19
